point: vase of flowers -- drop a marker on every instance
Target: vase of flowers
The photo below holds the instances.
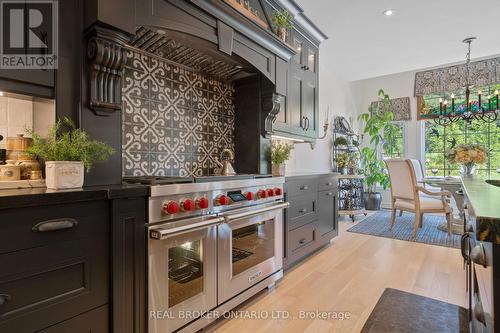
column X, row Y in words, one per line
column 468, row 156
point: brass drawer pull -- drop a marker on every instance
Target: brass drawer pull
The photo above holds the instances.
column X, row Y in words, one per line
column 303, row 210
column 329, row 184
column 304, row 187
column 329, row 194
column 54, row 225
column 4, row 298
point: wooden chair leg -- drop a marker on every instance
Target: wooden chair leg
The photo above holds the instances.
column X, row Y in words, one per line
column 418, row 218
column 393, row 218
column 421, row 221
column 401, row 212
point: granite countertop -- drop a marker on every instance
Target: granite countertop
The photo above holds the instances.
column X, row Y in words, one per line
column 485, row 201
column 12, row 198
column 484, row 197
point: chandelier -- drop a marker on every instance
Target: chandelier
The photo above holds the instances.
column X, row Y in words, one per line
column 471, row 109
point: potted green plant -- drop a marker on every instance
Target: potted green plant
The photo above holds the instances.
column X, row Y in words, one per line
column 341, row 160
column 341, row 142
column 67, row 151
column 352, row 163
column 282, row 21
column 377, row 121
column 280, row 153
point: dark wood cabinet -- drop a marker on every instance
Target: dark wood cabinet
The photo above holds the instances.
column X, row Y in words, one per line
column 55, row 263
column 311, row 219
column 299, row 117
column 95, row 321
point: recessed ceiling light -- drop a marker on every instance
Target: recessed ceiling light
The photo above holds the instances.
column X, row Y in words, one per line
column 388, row 12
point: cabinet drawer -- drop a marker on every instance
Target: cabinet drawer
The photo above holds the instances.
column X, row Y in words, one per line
column 301, row 187
column 48, row 284
column 73, row 221
column 302, row 210
column 95, row 321
column 301, row 237
column 327, row 183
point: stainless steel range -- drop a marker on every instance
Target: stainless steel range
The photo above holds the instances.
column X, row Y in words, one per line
column 213, row 243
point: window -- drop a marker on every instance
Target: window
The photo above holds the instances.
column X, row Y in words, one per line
column 394, row 146
column 439, row 140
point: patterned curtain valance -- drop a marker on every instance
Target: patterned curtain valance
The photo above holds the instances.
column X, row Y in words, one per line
column 400, row 107
column 453, row 78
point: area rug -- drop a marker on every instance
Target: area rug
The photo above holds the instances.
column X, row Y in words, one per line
column 378, row 225
column 402, row 312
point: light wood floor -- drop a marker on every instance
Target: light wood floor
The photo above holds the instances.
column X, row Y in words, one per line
column 350, row 275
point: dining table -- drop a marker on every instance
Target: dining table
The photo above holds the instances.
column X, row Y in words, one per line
column 454, row 185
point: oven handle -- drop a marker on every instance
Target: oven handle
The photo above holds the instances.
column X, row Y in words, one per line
column 161, row 234
column 257, row 211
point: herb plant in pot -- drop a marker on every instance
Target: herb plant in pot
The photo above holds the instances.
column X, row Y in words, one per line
column 377, row 121
column 282, row 21
column 67, row 151
column 342, row 160
column 280, row 153
column 341, row 142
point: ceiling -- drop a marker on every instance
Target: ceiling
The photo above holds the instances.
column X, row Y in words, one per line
column 364, row 43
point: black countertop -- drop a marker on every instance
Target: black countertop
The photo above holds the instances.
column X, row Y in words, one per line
column 12, row 198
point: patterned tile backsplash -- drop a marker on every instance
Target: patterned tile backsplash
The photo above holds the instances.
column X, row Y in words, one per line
column 175, row 121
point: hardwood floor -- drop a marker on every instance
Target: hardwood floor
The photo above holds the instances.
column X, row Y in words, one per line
column 349, row 276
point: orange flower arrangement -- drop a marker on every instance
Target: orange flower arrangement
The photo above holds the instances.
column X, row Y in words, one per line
column 468, row 155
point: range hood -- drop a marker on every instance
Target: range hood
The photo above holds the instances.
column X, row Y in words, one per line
column 189, row 51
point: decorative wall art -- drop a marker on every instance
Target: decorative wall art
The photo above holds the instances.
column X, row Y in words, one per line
column 400, row 107
column 251, row 9
column 175, row 121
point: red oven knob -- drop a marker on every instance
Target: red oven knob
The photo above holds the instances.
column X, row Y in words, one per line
column 249, row 195
column 261, row 194
column 188, row 205
column 171, row 207
column 270, row 192
column 202, row 203
column 277, row 191
column 222, row 200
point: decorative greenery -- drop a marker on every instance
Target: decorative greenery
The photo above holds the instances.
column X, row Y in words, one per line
column 280, row 152
column 340, row 141
column 282, row 19
column 352, row 163
column 379, row 126
column 342, row 160
column 355, row 143
column 65, row 142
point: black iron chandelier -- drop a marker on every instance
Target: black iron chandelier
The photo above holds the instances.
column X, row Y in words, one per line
column 470, row 110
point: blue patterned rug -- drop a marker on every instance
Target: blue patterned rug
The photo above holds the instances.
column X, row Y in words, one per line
column 378, row 225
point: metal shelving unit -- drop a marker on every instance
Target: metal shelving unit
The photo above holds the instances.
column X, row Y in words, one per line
column 350, row 198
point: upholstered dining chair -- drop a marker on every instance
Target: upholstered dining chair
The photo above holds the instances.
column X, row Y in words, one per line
column 407, row 195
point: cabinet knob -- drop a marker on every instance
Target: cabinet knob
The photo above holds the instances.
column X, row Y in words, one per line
column 4, row 298
column 302, row 241
column 303, row 210
column 329, row 194
column 304, row 187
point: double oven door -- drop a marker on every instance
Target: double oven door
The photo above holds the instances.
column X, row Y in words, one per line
column 197, row 264
column 182, row 272
column 250, row 248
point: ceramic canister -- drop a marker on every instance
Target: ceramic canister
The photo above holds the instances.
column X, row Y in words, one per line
column 10, row 171
column 27, row 166
column 19, row 142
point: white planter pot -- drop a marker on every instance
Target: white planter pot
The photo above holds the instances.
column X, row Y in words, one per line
column 63, row 174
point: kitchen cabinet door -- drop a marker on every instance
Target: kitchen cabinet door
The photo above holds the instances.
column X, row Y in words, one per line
column 326, row 227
